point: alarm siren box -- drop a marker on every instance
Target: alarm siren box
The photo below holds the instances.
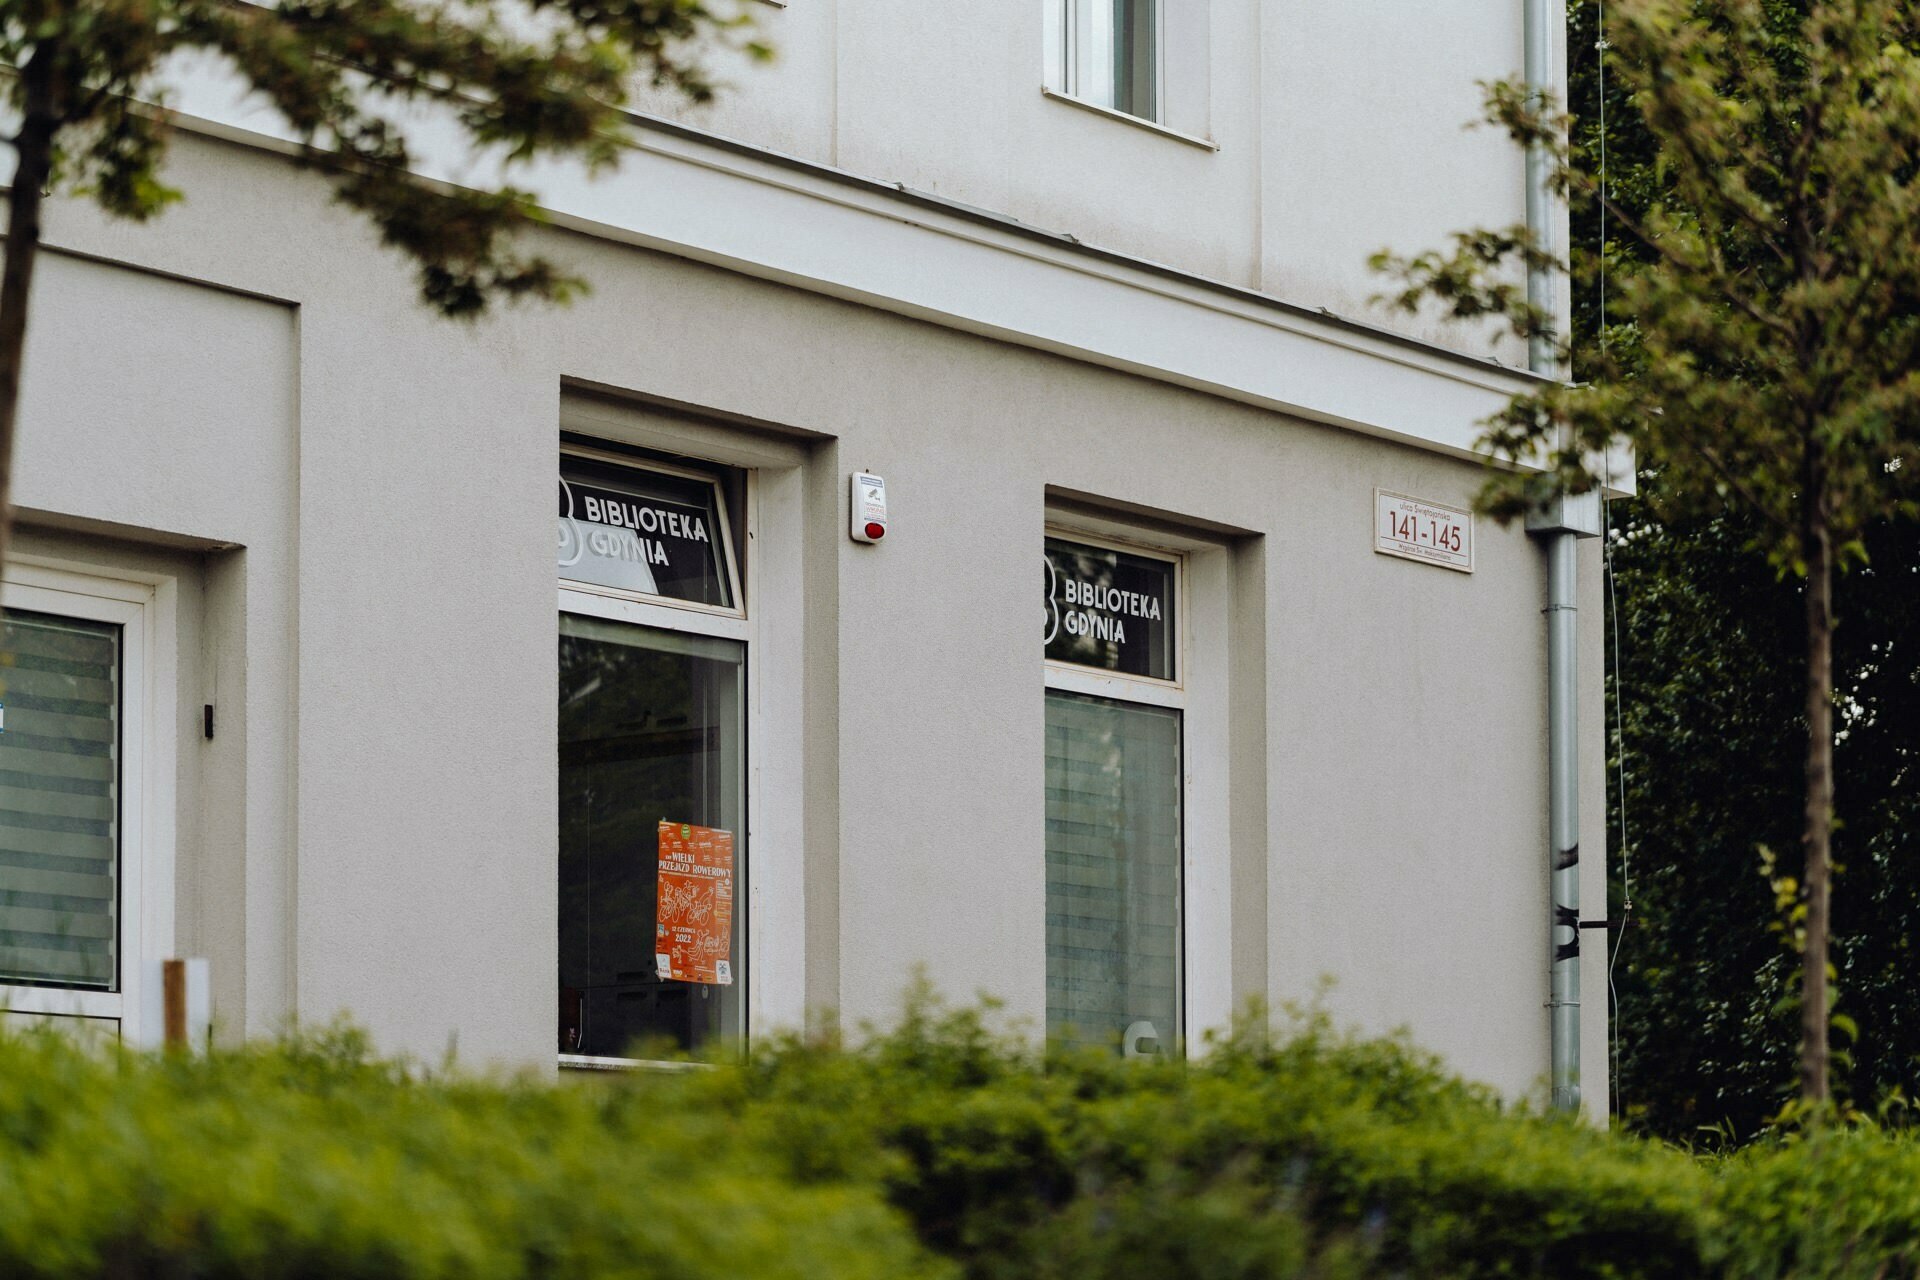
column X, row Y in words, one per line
column 867, row 511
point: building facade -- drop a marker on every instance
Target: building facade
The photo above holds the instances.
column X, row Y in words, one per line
column 944, row 296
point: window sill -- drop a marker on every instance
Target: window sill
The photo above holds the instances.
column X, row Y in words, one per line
column 61, row 1002
column 1192, row 140
column 587, row 1062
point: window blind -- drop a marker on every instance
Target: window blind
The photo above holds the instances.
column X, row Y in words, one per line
column 59, row 801
column 1113, row 869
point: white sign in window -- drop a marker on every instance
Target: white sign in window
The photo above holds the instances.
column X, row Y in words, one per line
column 1429, row 532
column 652, row 532
column 1109, row 609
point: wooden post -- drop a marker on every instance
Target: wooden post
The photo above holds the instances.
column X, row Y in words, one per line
column 173, row 982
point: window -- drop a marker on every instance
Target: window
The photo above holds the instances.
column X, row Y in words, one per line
column 60, row 802
column 653, row 533
column 1114, row 796
column 71, row 854
column 1106, row 52
column 652, row 731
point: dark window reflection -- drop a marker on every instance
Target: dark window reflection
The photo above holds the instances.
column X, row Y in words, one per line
column 651, row 728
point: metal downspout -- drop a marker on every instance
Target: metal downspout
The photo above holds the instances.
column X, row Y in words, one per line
column 1561, row 524
column 1563, row 807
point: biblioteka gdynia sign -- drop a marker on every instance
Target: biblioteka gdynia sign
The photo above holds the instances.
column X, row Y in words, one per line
column 643, row 531
column 1111, row 610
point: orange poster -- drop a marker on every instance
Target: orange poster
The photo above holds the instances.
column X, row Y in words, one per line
column 693, row 940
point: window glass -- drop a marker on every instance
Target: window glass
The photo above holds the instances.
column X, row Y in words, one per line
column 59, row 801
column 649, row 532
column 651, row 746
column 1135, row 58
column 1113, row 873
column 1108, row 609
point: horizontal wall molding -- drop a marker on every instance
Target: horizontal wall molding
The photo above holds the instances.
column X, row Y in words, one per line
column 727, row 204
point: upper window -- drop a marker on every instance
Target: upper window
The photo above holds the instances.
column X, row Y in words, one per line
column 1110, row 609
column 655, row 532
column 1106, row 52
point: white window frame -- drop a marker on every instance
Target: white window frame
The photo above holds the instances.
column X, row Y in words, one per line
column 1070, row 677
column 692, row 618
column 144, row 912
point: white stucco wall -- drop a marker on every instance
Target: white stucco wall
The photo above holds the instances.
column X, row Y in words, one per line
column 364, row 490
column 165, row 413
column 1340, row 130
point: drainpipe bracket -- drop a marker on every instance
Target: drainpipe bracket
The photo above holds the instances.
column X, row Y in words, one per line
column 1576, row 513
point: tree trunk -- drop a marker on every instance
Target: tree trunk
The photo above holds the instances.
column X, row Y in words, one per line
column 1817, row 834
column 33, row 149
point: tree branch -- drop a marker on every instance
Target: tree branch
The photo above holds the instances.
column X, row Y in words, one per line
column 33, row 149
column 1709, row 171
column 1738, row 484
column 1713, row 270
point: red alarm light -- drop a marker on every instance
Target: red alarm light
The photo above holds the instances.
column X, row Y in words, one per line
column 876, row 530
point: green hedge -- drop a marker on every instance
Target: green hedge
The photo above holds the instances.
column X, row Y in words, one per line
column 940, row 1150
column 1831, row 1203
column 314, row 1160
column 1334, row 1156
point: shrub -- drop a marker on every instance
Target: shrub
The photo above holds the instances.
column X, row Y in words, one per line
column 1829, row 1204
column 316, row 1160
column 1316, row 1154
column 936, row 1151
